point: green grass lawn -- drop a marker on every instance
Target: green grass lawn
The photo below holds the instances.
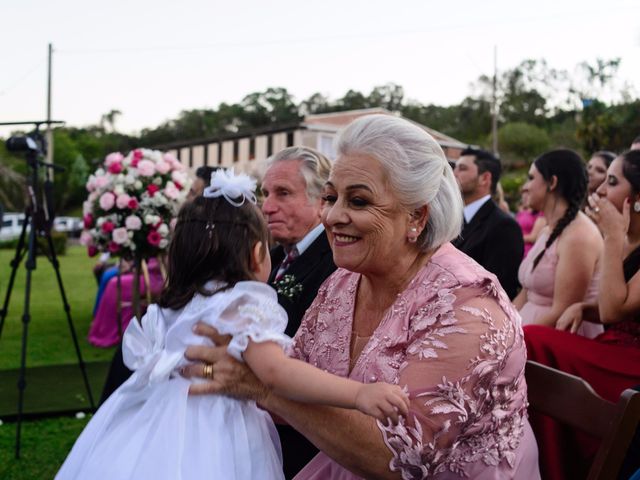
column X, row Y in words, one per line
column 46, row 442
column 49, row 338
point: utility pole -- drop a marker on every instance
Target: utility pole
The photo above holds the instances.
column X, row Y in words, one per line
column 49, row 131
column 494, row 106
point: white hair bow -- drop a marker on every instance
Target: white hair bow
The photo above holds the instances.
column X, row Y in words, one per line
column 226, row 183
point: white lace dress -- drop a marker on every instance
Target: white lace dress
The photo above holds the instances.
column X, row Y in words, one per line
column 150, row 428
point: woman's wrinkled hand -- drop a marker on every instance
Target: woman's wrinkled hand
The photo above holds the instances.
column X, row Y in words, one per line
column 383, row 401
column 605, row 215
column 228, row 376
column 571, row 319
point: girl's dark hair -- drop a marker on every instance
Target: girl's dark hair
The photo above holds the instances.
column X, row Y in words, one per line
column 606, row 156
column 568, row 167
column 213, row 240
column 631, row 168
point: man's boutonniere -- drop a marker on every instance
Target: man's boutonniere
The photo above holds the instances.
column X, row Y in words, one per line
column 288, row 287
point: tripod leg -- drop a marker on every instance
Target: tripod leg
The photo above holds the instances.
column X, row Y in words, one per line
column 56, row 266
column 26, row 318
column 15, row 263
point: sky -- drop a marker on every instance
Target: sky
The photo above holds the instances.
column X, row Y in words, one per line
column 151, row 59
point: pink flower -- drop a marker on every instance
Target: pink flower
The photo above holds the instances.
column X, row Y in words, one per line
column 91, row 184
column 88, row 220
column 178, row 185
column 107, row 227
column 152, row 189
column 113, row 247
column 133, row 222
column 115, row 157
column 137, row 155
column 171, row 191
column 115, row 168
column 179, row 177
column 86, row 239
column 123, row 201
column 102, row 181
column 120, row 235
column 154, row 238
column 133, row 203
column 107, row 200
column 146, row 168
column 92, row 250
column 163, row 167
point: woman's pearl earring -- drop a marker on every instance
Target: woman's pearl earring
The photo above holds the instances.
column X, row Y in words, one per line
column 636, row 207
column 413, row 237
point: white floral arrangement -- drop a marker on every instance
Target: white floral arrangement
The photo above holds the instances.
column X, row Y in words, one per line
column 132, row 202
column 288, row 287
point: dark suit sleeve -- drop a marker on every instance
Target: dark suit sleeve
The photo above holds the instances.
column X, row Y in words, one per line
column 504, row 248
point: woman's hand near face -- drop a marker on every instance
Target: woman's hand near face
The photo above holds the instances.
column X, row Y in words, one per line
column 608, row 219
column 230, row 377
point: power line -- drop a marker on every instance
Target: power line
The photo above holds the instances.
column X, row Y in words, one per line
column 23, row 77
column 325, row 38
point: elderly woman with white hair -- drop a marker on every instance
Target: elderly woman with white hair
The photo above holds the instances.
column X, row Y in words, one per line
column 404, row 307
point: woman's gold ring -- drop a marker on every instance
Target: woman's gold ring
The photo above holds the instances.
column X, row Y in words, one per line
column 208, row 371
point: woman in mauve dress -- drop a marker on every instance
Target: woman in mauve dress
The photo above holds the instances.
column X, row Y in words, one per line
column 407, row 308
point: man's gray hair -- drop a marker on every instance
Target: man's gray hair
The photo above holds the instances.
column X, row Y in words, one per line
column 315, row 167
column 417, row 171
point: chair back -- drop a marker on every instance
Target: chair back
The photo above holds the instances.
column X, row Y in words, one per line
column 572, row 401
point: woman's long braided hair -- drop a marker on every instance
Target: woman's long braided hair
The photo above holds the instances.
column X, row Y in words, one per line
column 569, row 169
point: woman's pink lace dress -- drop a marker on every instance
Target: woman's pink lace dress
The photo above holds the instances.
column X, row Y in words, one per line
column 455, row 340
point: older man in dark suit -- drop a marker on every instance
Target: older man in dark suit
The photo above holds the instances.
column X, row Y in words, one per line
column 302, row 260
column 490, row 236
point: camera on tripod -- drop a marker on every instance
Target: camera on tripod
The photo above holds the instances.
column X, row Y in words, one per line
column 27, row 144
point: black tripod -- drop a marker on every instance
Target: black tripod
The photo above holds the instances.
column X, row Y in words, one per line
column 40, row 221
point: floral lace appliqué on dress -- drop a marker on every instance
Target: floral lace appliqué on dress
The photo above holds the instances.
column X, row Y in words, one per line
column 455, row 341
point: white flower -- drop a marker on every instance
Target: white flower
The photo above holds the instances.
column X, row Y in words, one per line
column 129, row 179
column 163, row 243
column 137, row 185
column 163, row 230
column 118, row 189
column 151, row 219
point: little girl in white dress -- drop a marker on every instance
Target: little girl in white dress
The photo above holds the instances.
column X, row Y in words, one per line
column 150, row 428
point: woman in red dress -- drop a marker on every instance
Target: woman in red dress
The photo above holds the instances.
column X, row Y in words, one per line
column 611, row 361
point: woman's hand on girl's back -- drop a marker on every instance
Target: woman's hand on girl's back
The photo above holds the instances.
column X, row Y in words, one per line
column 230, row 377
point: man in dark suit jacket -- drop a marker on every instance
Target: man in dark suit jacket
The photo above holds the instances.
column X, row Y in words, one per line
column 292, row 187
column 490, row 236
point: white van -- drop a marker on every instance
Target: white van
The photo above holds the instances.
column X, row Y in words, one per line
column 11, row 226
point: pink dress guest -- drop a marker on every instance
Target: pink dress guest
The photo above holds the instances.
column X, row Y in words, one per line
column 104, row 328
column 527, row 219
column 540, row 285
column 455, row 340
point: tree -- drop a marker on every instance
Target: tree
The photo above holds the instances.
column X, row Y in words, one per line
column 389, row 96
column 316, row 103
column 110, row 119
column 273, row 106
column 522, row 142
